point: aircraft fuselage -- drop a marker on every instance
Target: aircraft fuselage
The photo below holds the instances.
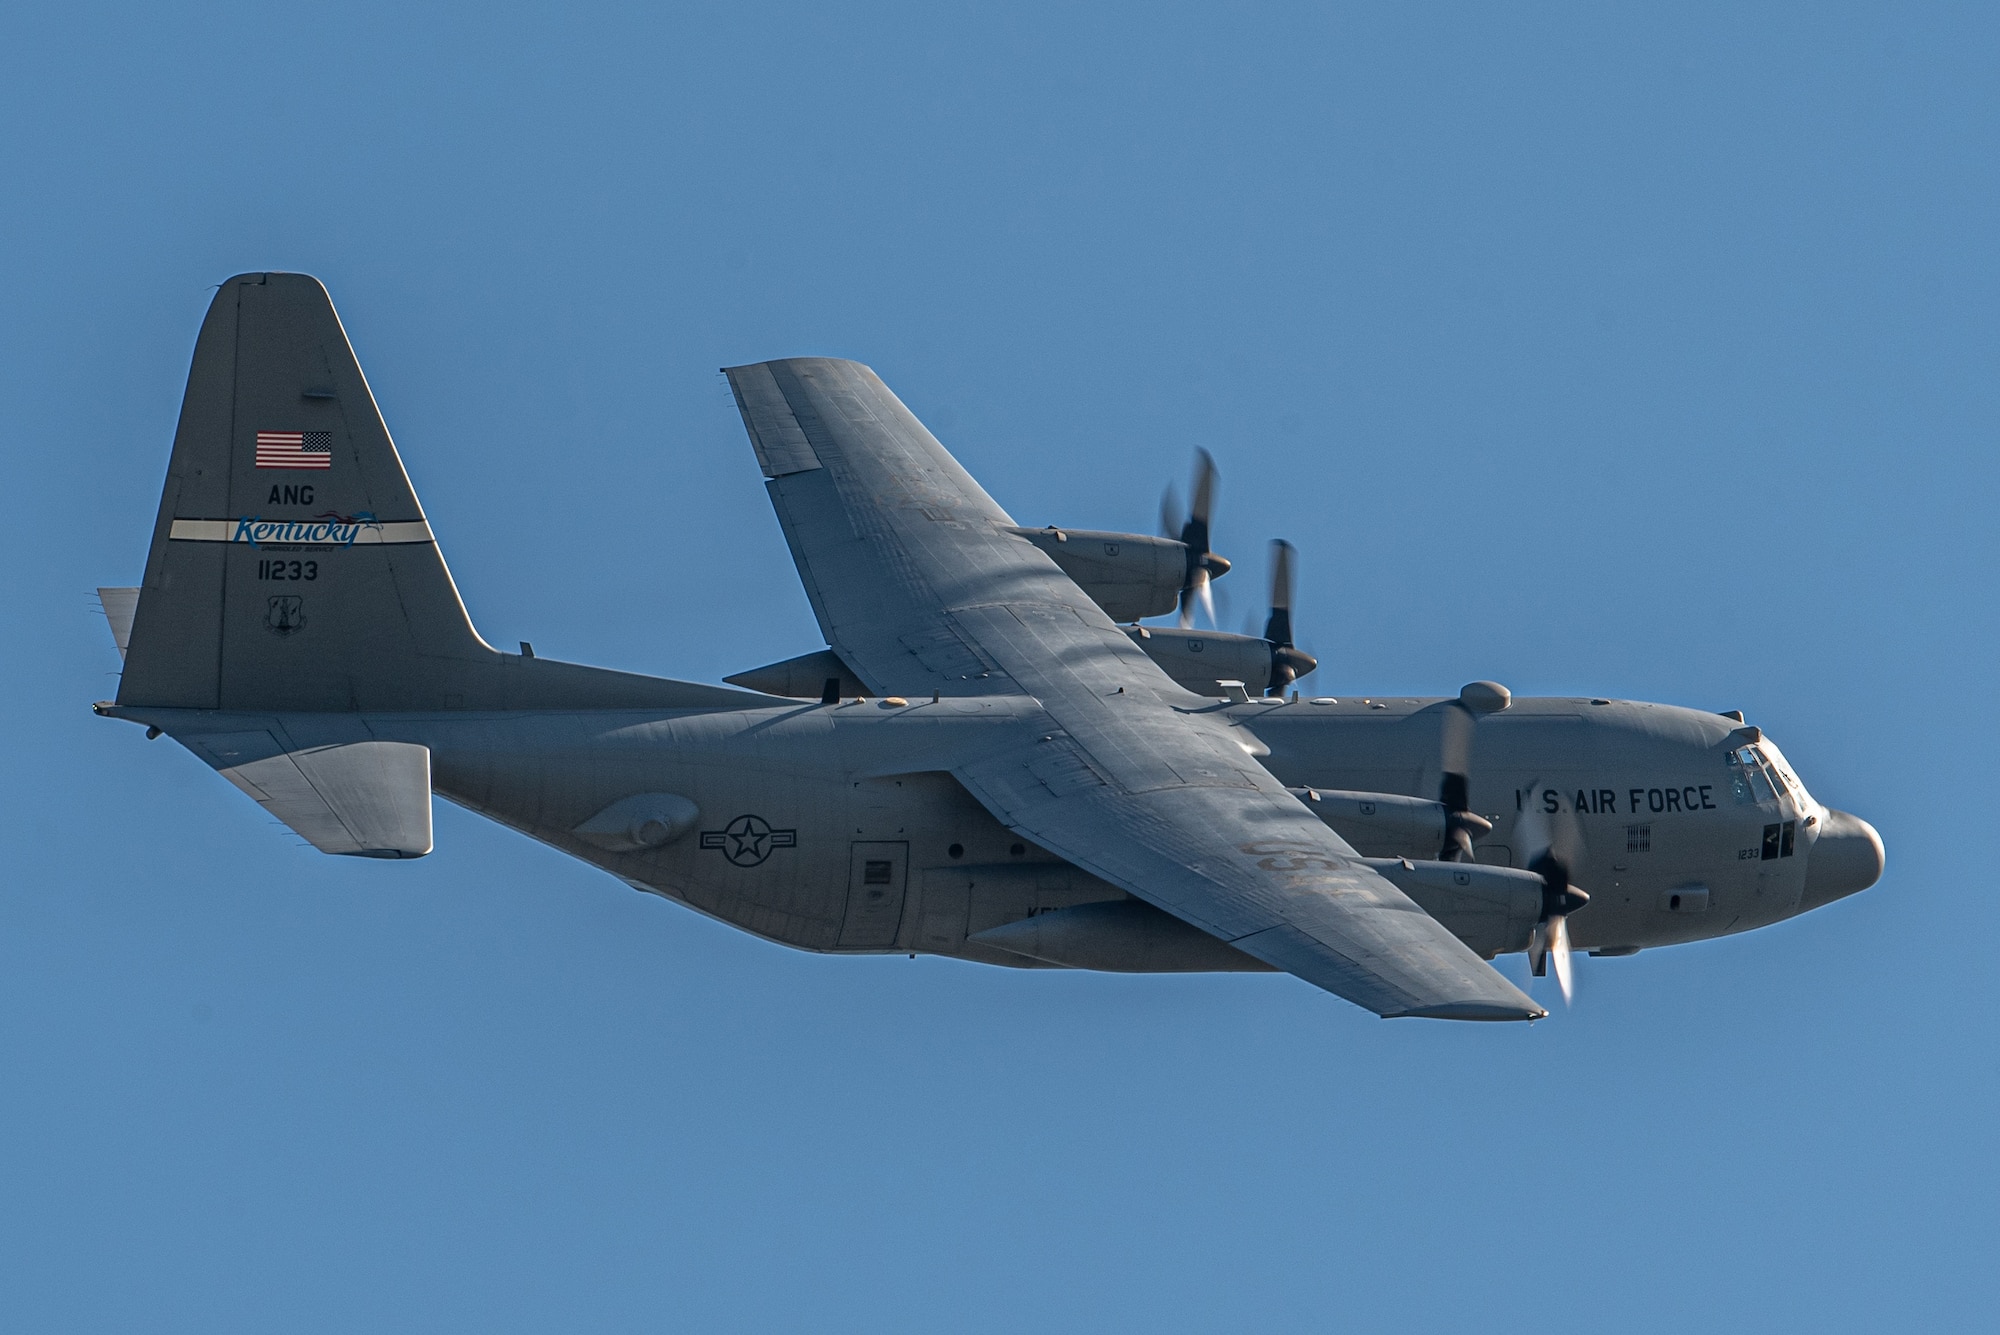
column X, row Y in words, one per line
column 822, row 827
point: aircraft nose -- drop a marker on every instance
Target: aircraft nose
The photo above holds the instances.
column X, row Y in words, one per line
column 1846, row 858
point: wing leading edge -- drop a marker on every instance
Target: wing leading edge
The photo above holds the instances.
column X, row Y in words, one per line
column 919, row 584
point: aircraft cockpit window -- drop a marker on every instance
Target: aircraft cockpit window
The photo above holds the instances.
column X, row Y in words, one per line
column 1758, row 774
column 1749, row 779
column 1781, row 773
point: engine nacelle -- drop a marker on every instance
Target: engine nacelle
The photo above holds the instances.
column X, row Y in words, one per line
column 1380, row 825
column 1200, row 659
column 1129, row 575
column 1492, row 909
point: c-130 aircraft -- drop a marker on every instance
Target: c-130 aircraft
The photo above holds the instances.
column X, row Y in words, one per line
column 983, row 763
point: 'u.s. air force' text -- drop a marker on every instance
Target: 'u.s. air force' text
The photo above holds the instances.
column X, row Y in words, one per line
column 1604, row 801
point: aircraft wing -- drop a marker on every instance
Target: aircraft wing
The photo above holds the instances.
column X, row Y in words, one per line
column 919, row 584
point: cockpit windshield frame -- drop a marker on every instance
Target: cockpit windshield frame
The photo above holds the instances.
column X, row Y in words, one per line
column 1758, row 773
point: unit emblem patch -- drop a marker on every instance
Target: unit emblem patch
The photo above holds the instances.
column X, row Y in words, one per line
column 286, row 615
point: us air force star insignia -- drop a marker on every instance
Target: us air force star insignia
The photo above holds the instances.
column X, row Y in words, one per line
column 748, row 840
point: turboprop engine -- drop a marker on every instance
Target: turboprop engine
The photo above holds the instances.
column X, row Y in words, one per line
column 1200, row 660
column 1132, row 576
column 1380, row 825
column 1129, row 575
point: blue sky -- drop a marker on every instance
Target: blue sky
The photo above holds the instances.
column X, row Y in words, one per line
column 1636, row 351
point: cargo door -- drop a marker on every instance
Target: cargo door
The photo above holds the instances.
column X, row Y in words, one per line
column 876, row 873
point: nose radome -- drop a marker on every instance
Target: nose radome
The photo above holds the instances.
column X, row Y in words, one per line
column 1846, row 858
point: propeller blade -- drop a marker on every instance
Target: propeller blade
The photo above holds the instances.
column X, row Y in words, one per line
column 1559, row 951
column 1204, row 490
column 1225, row 611
column 1288, row 662
column 1455, row 743
column 1550, row 849
column 1531, row 831
column 1278, row 628
column 1195, row 590
column 1455, row 791
column 1543, row 835
column 1203, row 565
column 1566, row 839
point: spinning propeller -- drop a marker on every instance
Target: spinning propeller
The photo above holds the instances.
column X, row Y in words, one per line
column 1288, row 662
column 1203, row 565
column 1550, row 849
column 1462, row 824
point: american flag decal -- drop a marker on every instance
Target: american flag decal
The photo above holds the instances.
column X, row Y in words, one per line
column 294, row 449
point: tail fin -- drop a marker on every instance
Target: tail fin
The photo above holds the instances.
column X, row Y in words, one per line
column 292, row 568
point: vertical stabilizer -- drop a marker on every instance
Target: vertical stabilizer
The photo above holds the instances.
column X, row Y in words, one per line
column 292, row 569
column 291, row 565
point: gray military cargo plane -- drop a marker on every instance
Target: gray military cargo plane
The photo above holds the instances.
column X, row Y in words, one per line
column 982, row 763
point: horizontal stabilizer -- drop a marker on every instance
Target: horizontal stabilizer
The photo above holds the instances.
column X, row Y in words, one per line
column 804, row 677
column 364, row 799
